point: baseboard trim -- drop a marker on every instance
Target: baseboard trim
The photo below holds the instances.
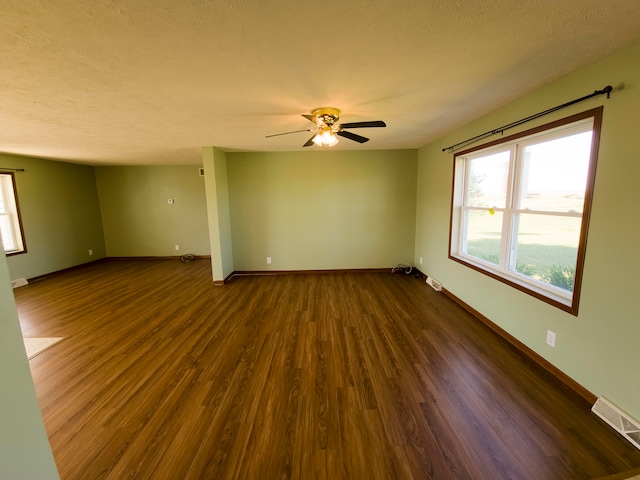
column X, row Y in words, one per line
column 105, row 259
column 236, row 273
column 68, row 269
column 264, row 273
column 420, row 273
column 124, row 259
column 219, row 283
column 174, row 257
column 548, row 367
column 241, row 273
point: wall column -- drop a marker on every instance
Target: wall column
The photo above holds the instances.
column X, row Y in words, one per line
column 217, row 188
column 24, row 446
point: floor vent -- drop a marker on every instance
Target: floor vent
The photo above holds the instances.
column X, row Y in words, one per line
column 19, row 282
column 435, row 284
column 619, row 420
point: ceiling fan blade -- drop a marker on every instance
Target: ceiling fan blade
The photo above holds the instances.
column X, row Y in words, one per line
column 374, row 123
column 287, row 133
column 311, row 118
column 353, row 136
column 309, row 142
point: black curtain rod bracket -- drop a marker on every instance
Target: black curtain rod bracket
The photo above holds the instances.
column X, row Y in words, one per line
column 605, row 91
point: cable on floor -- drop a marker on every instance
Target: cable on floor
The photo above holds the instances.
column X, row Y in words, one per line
column 402, row 267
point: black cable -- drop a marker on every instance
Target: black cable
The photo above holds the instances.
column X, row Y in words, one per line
column 402, row 267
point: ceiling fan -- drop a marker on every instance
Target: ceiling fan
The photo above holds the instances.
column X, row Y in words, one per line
column 327, row 129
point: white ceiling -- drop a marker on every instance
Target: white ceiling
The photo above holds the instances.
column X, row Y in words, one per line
column 111, row 82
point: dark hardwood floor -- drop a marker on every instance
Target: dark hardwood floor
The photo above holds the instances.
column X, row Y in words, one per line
column 329, row 376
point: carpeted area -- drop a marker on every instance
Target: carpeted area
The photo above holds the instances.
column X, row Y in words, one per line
column 37, row 345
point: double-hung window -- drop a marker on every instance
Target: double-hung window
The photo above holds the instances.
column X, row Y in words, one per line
column 10, row 225
column 520, row 207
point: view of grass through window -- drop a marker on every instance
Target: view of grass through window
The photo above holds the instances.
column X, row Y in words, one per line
column 521, row 206
column 543, row 197
column 550, row 257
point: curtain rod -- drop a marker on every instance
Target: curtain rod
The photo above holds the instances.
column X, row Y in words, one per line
column 13, row 169
column 606, row 90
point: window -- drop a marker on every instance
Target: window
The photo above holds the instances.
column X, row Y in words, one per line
column 10, row 225
column 520, row 207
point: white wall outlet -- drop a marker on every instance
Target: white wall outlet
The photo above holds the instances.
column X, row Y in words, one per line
column 177, row 247
column 420, row 260
column 170, row 201
column 268, row 259
column 551, row 338
column 90, row 252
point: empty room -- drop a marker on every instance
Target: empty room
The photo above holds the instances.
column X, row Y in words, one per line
column 365, row 240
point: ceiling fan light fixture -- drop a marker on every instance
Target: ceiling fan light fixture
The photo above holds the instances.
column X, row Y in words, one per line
column 328, row 129
column 325, row 138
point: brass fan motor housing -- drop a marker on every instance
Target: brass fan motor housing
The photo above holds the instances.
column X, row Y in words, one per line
column 327, row 115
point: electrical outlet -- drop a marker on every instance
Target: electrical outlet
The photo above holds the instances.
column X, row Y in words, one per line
column 177, row 247
column 90, row 252
column 420, row 260
column 551, row 338
column 268, row 259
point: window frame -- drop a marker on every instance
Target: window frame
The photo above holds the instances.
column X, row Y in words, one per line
column 567, row 301
column 14, row 213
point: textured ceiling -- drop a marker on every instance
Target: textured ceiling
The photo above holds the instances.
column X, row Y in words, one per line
column 108, row 82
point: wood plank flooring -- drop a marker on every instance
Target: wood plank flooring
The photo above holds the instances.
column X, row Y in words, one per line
column 332, row 376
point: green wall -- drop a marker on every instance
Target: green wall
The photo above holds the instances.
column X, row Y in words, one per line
column 24, row 447
column 599, row 347
column 60, row 216
column 139, row 221
column 322, row 209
